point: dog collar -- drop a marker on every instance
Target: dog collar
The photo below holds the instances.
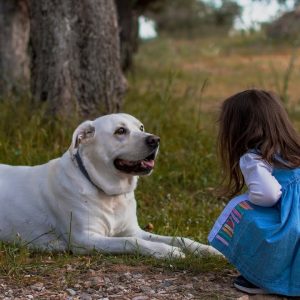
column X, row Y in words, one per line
column 84, row 171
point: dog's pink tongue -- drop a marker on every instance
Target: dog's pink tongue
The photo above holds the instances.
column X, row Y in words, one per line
column 148, row 163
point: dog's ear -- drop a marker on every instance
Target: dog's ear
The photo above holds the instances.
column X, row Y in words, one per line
column 82, row 135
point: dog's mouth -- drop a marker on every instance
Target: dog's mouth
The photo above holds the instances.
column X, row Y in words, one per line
column 139, row 167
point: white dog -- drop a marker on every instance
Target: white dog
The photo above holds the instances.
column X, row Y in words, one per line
column 84, row 200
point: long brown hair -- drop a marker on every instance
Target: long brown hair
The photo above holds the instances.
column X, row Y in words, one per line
column 254, row 119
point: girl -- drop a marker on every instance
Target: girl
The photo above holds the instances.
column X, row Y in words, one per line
column 259, row 231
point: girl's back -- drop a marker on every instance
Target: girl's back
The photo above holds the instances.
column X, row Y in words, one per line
column 259, row 231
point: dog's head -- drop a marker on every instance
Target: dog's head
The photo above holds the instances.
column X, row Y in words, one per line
column 114, row 150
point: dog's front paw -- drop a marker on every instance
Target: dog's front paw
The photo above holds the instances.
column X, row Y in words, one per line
column 168, row 252
column 176, row 253
column 197, row 248
column 202, row 250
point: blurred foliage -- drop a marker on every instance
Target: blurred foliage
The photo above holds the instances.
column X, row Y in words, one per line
column 286, row 26
column 283, row 2
column 192, row 18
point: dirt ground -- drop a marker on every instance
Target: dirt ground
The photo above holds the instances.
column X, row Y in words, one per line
column 116, row 282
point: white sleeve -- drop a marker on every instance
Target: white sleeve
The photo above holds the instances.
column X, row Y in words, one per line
column 264, row 189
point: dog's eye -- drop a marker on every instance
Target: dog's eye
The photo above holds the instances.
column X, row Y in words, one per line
column 121, row 131
column 142, row 128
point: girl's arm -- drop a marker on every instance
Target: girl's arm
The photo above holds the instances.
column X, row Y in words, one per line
column 264, row 189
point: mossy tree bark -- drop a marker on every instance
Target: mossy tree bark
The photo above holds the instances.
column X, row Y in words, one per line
column 75, row 56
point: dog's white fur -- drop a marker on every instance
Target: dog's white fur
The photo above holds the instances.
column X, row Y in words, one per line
column 55, row 207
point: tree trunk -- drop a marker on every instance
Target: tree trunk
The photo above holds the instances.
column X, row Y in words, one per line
column 128, row 26
column 14, row 35
column 75, row 59
column 128, row 19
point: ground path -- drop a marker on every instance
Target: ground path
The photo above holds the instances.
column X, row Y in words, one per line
column 119, row 281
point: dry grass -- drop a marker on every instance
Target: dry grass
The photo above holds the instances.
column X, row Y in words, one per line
column 229, row 65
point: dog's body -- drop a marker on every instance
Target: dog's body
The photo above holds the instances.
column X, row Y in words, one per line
column 85, row 199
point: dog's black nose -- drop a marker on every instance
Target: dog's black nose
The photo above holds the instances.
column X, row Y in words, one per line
column 152, row 140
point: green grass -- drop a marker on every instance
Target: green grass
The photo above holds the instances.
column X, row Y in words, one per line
column 175, row 89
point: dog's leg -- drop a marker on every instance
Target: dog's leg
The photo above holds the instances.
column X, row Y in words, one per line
column 126, row 245
column 183, row 243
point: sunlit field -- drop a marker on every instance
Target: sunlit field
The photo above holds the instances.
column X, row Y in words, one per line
column 175, row 89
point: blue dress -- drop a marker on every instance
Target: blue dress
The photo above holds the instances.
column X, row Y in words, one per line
column 263, row 243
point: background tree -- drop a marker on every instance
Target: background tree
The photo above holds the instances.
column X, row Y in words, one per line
column 53, row 33
column 287, row 26
column 74, row 46
column 192, row 18
column 75, row 56
column 14, row 35
column 128, row 15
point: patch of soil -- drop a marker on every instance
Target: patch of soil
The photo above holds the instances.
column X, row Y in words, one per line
column 116, row 282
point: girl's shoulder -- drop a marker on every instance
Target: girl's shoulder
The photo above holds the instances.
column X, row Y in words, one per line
column 252, row 159
column 252, row 164
column 251, row 154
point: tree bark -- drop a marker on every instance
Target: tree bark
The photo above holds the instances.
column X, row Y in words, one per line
column 128, row 19
column 14, row 36
column 75, row 56
column 128, row 26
